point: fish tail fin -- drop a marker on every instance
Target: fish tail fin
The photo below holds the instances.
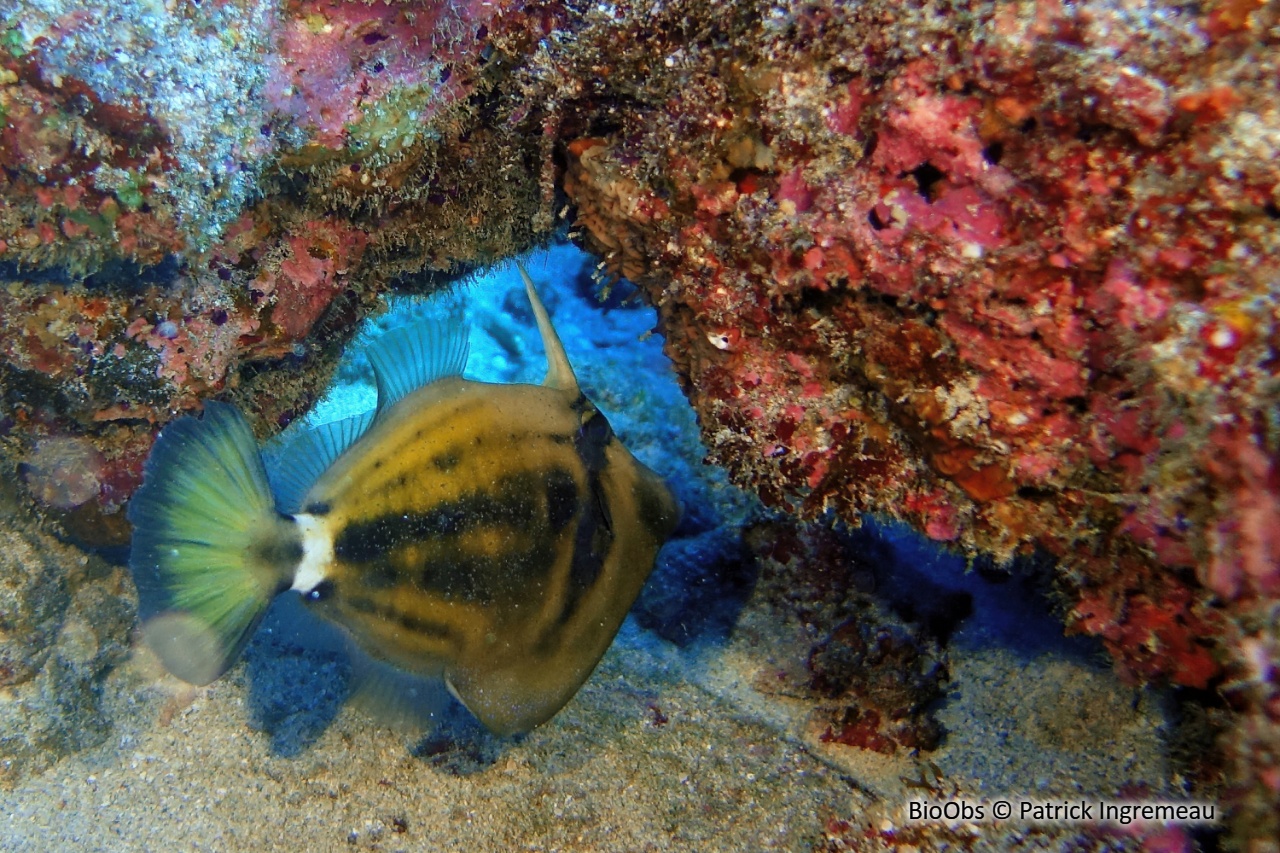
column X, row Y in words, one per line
column 209, row 549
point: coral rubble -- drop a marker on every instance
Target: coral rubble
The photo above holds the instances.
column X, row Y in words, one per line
column 870, row 676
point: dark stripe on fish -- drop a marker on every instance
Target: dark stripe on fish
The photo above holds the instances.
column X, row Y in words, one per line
column 594, row 537
column 404, row 620
column 454, row 455
column 591, row 544
column 592, row 438
column 482, row 580
column 369, row 540
column 562, row 499
column 388, row 550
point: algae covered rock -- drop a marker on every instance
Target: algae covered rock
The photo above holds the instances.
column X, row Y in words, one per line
column 65, row 621
column 33, row 603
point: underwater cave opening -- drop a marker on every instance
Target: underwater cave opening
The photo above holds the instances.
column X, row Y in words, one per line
column 610, row 337
column 870, row 648
column 732, row 567
column 795, row 669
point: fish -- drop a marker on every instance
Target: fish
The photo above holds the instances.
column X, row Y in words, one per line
column 490, row 535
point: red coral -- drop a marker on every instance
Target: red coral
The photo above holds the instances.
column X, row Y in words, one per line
column 860, row 729
column 1245, row 541
column 1153, row 636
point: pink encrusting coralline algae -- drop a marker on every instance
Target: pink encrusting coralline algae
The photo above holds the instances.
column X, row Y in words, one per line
column 335, row 60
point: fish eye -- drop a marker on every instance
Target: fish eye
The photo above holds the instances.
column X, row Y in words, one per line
column 321, row 591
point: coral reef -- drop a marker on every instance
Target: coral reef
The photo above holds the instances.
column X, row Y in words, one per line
column 204, row 201
column 903, row 275
column 1003, row 271
column 128, row 134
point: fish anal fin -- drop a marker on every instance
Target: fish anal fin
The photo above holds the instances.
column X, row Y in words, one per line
column 406, row 701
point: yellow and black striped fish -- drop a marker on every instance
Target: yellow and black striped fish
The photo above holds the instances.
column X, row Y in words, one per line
column 492, row 535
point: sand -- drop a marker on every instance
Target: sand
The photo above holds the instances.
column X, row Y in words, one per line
column 664, row 749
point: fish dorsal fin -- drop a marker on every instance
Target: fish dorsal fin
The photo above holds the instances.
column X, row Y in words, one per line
column 408, row 357
column 559, row 371
column 295, row 468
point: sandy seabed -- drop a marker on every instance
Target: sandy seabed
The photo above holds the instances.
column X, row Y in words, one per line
column 663, row 749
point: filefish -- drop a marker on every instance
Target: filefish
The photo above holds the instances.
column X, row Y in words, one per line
column 493, row 535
